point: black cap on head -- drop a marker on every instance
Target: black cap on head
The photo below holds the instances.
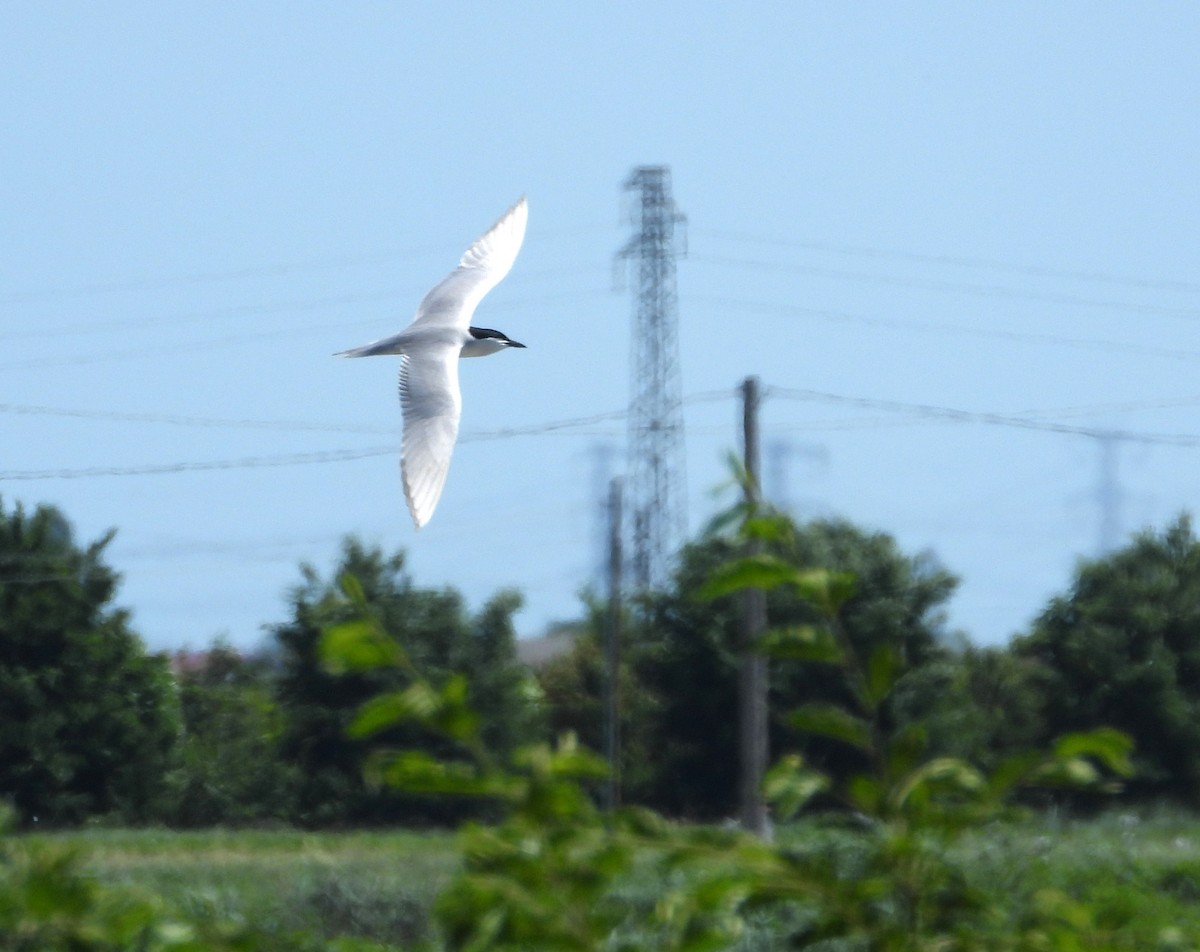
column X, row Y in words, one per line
column 483, row 333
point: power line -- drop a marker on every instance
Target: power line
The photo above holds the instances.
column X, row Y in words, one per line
column 963, row 261
column 154, row 350
column 939, row 327
column 261, row 271
column 92, row 357
column 338, row 262
column 210, row 314
column 178, row 420
column 177, row 548
column 576, row 426
column 930, row 284
column 202, row 277
column 537, row 429
column 1024, row 418
column 168, row 419
column 297, row 459
column 157, row 469
column 409, row 293
column 993, row 419
column 1125, row 407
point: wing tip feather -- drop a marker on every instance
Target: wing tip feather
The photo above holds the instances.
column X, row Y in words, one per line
column 509, row 227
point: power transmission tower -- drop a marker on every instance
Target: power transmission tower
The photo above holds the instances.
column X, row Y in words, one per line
column 612, row 651
column 1109, row 494
column 602, row 455
column 655, row 487
column 780, row 453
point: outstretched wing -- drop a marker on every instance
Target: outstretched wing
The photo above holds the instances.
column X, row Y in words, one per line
column 431, row 402
column 483, row 266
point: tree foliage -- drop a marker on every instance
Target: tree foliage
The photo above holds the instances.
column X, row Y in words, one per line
column 318, row 703
column 1122, row 647
column 88, row 721
column 685, row 654
column 555, row 873
column 230, row 767
column 983, row 704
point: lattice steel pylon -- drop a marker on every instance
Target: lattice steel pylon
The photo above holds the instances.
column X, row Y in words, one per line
column 655, row 486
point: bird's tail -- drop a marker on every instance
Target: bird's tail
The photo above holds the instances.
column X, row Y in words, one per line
column 367, row 350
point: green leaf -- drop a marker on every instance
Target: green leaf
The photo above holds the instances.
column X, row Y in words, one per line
column 358, row 645
column 767, row 528
column 824, row 588
column 940, row 775
column 752, row 571
column 352, row 588
column 1108, row 746
column 883, row 671
column 566, row 760
column 905, row 748
column 1071, row 772
column 1078, row 771
column 739, row 475
column 789, row 785
column 829, row 720
column 641, row 821
column 419, row 772
column 418, row 702
column 578, row 764
column 453, row 716
column 734, row 515
column 1012, row 772
column 801, row 643
column 865, row 793
column 377, row 714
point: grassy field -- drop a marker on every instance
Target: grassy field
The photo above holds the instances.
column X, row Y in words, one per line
column 1139, row 875
column 378, row 884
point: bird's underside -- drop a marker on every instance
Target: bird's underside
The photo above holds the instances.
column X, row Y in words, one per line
column 431, row 414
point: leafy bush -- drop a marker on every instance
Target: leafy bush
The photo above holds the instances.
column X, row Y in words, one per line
column 680, row 671
column 231, row 770
column 556, row 873
column 317, row 703
column 1121, row 648
column 88, row 720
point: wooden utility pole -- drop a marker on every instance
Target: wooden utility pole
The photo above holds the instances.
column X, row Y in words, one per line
column 612, row 650
column 752, row 669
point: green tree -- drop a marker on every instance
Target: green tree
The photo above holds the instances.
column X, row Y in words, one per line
column 574, row 685
column 554, row 873
column 1122, row 647
column 317, row 704
column 980, row 704
column 88, row 720
column 231, row 769
column 686, row 654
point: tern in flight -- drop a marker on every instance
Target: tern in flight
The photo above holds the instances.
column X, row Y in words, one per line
column 429, row 349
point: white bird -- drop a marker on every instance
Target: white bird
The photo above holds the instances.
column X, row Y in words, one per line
column 429, row 350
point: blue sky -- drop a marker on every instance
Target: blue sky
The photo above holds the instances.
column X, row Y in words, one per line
column 907, row 208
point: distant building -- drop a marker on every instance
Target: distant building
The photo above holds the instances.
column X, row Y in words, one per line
column 558, row 640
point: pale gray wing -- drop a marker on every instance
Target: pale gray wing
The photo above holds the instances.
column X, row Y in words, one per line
column 431, row 402
column 483, row 266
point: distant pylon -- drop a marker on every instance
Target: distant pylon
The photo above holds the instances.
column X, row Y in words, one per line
column 778, row 482
column 602, row 474
column 1109, row 494
column 655, row 487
